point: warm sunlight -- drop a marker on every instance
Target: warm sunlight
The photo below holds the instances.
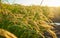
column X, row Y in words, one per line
column 29, row 18
column 37, row 2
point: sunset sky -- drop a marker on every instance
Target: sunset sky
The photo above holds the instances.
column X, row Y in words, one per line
column 37, row 2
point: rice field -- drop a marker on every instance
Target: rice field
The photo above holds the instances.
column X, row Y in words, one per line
column 19, row 21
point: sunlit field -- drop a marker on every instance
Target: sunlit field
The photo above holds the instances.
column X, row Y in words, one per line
column 19, row 21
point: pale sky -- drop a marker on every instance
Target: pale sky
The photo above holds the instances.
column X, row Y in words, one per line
column 37, row 2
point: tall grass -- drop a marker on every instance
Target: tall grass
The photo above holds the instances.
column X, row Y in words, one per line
column 25, row 21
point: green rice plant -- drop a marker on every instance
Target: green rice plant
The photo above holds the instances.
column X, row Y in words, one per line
column 25, row 21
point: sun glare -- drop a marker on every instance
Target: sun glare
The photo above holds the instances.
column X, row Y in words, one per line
column 37, row 2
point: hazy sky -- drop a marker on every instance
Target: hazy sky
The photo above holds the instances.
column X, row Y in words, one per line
column 37, row 2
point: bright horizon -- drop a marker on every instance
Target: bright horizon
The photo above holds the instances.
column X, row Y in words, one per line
column 37, row 2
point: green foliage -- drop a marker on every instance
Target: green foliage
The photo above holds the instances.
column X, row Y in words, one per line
column 24, row 21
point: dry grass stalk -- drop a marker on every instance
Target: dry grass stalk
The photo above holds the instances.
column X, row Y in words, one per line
column 6, row 34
